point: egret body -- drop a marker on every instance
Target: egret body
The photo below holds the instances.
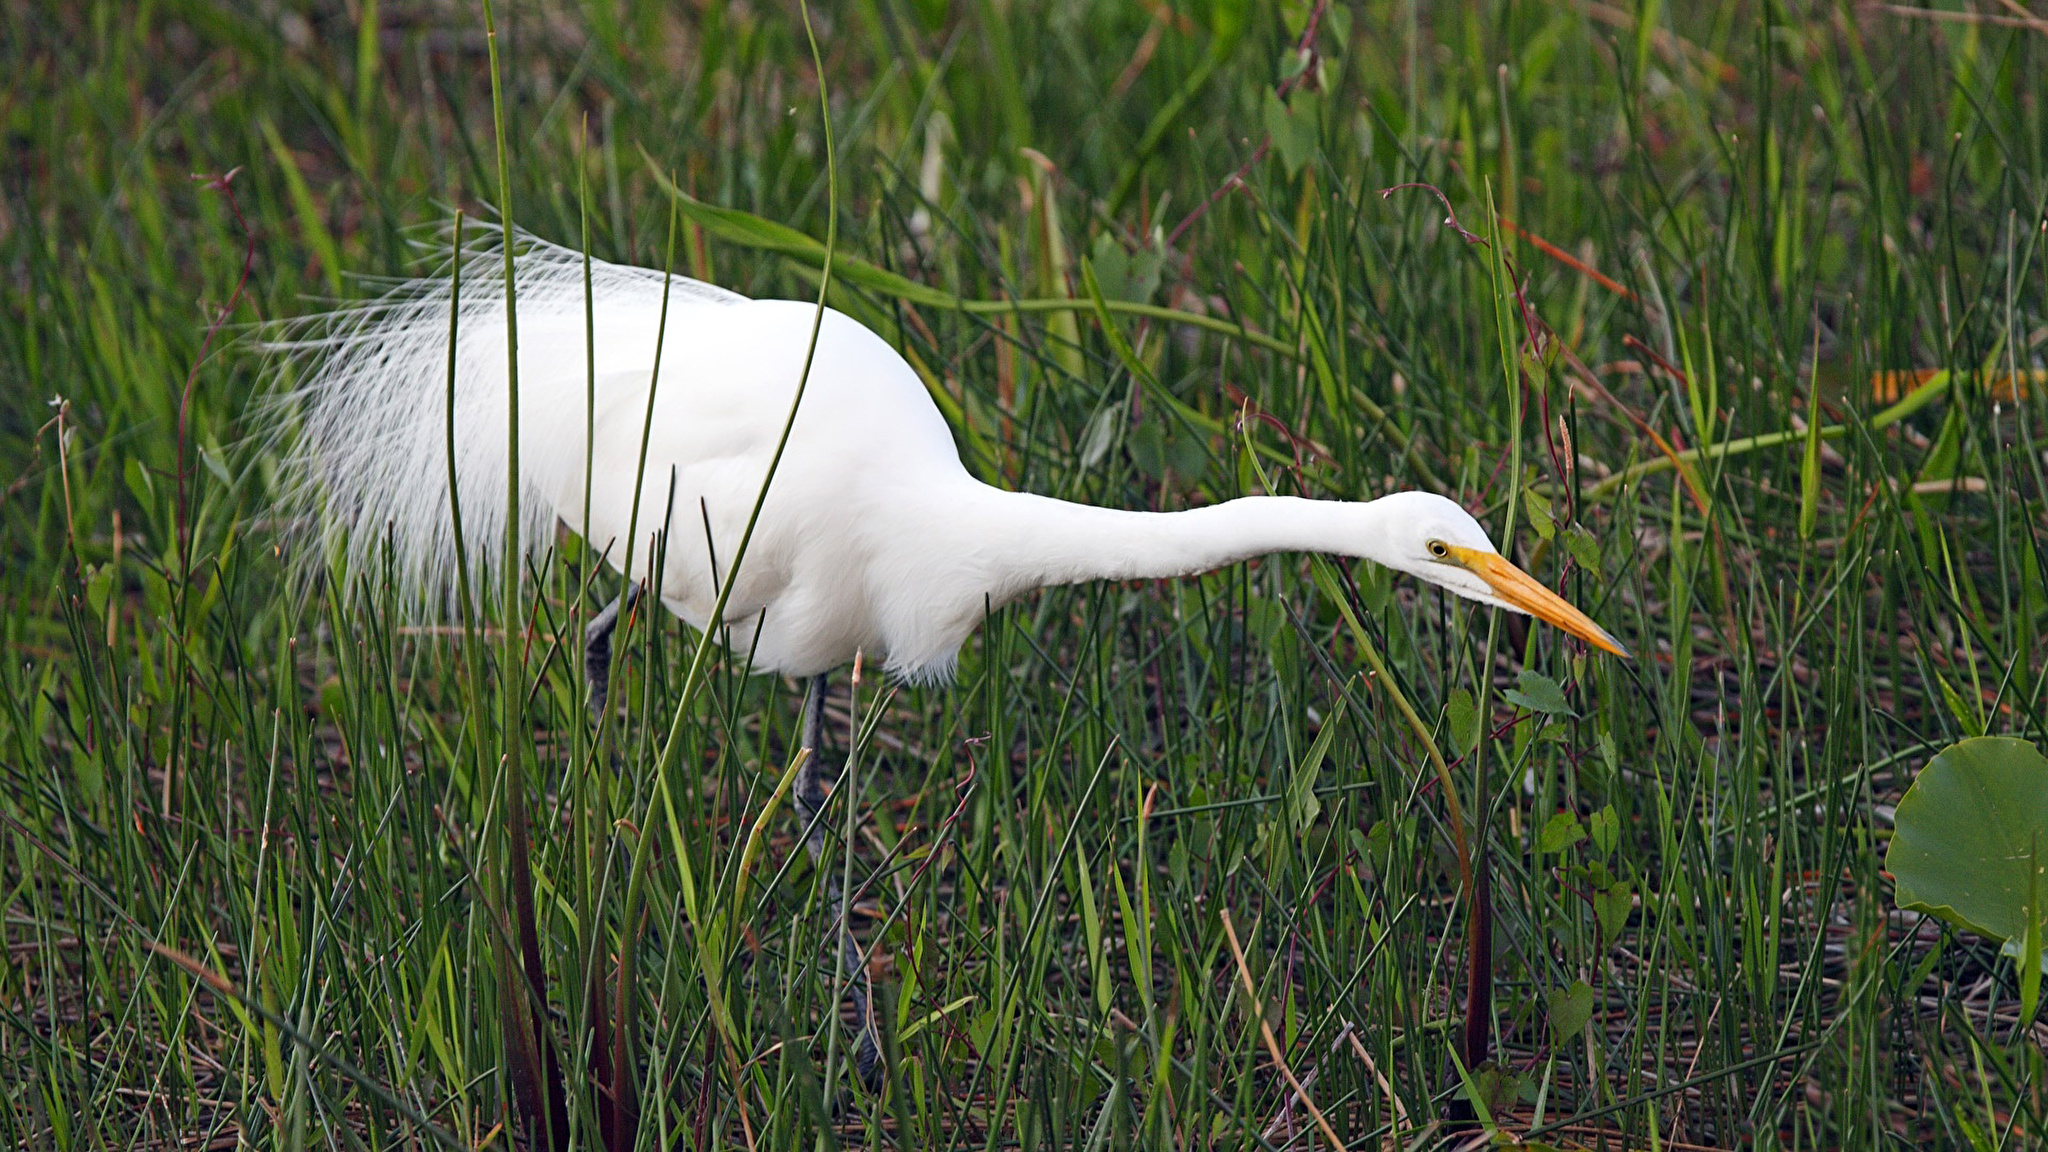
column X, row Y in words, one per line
column 873, row 537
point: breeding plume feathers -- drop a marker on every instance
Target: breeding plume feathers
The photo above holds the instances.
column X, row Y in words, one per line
column 369, row 464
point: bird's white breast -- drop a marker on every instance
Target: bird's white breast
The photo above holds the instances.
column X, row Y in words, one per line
column 838, row 561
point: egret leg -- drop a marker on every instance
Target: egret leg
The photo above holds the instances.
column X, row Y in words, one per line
column 809, row 795
column 597, row 647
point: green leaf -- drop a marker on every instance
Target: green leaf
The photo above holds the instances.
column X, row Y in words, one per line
column 214, row 465
column 1337, row 18
column 1294, row 16
column 1605, row 828
column 1132, row 276
column 1463, row 716
column 1943, row 460
column 1970, row 838
column 1538, row 693
column 1111, row 265
column 1383, row 842
column 1147, row 445
column 1936, row 387
column 1091, row 927
column 1569, row 1009
column 1136, row 937
column 1583, row 547
column 1540, row 516
column 1560, row 832
column 981, row 1030
column 99, row 586
column 1124, row 352
column 1966, row 716
column 1227, row 20
column 1100, row 435
column 140, row 483
column 1498, row 1087
column 1293, row 129
column 1612, row 906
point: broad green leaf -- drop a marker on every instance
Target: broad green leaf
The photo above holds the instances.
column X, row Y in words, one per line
column 1612, row 906
column 1605, row 828
column 1560, row 832
column 1337, row 18
column 99, row 586
column 1498, row 1087
column 1538, row 693
column 212, row 461
column 1569, row 1010
column 1583, row 547
column 1147, row 445
column 1227, row 20
column 1132, row 276
column 1541, row 518
column 1092, row 289
column 140, row 483
column 1970, row 839
column 1293, row 129
column 1463, row 715
column 1100, row 435
column 1137, row 945
column 981, row 1031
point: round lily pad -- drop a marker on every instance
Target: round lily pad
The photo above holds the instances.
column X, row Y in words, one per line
column 1970, row 841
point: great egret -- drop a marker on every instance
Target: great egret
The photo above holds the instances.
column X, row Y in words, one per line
column 873, row 538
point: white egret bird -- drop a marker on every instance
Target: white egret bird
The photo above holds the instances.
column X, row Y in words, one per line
column 874, row 538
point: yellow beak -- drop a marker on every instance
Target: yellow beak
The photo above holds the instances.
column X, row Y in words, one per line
column 1521, row 590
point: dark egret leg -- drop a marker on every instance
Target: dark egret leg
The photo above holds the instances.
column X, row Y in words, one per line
column 597, row 647
column 809, row 795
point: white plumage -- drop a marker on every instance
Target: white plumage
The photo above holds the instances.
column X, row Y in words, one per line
column 873, row 538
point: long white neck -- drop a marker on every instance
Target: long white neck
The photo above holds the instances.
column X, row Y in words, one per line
column 1022, row 541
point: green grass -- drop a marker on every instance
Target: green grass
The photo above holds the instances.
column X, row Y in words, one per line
column 1695, row 941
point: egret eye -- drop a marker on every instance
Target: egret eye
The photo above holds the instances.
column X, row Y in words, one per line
column 1439, row 549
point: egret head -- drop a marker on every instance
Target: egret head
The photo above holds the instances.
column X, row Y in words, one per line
column 1433, row 539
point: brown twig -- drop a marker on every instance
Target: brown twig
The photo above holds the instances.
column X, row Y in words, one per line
column 1244, row 974
column 1570, row 261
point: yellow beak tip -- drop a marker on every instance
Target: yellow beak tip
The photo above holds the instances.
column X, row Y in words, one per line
column 1524, row 594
